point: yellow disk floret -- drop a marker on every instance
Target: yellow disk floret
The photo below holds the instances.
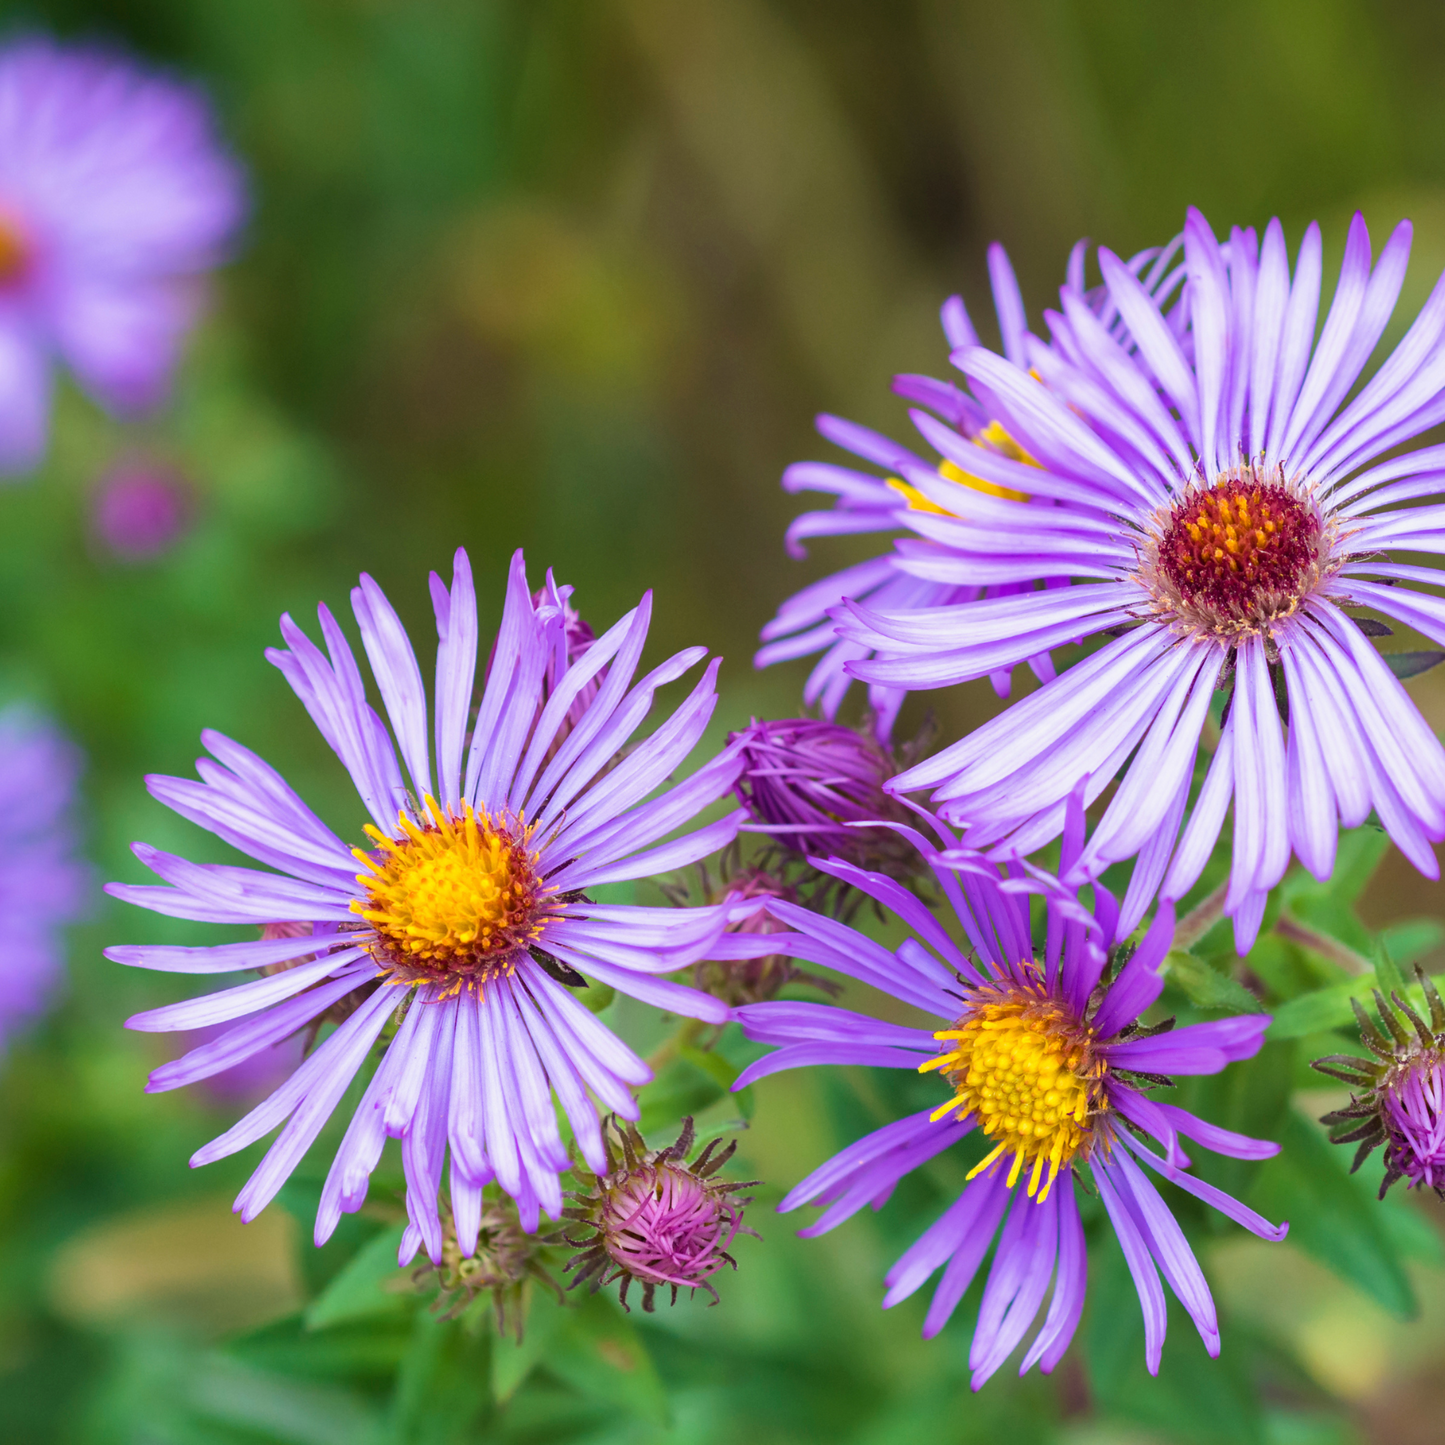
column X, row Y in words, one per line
column 1022, row 1066
column 455, row 897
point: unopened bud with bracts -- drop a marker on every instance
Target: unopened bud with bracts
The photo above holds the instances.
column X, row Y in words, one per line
column 1399, row 1092
column 731, row 974
column 506, row 1261
column 654, row 1218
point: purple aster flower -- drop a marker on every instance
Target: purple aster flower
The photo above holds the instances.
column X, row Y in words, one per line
column 42, row 880
column 1041, row 1050
column 1399, row 1093
column 141, row 509
column 115, row 197
column 461, row 938
column 867, row 502
column 1220, row 496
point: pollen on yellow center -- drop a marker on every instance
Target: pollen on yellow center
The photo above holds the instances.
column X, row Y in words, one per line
column 1023, row 1068
column 995, row 438
column 453, row 896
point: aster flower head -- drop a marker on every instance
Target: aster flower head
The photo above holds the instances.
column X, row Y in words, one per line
column 115, row 198
column 42, row 878
column 458, row 934
column 1039, row 1048
column 869, row 502
column 1217, row 495
column 1398, row 1093
column 655, row 1219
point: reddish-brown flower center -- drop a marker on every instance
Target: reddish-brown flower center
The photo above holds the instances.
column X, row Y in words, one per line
column 1239, row 554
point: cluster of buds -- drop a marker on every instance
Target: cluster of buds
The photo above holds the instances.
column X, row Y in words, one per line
column 1399, row 1094
column 654, row 1218
column 507, row 1259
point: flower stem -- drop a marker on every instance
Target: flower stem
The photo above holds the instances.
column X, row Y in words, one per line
column 669, row 1048
column 1201, row 918
column 1322, row 944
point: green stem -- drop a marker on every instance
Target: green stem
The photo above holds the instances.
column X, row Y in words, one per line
column 1201, row 918
column 1322, row 944
column 668, row 1049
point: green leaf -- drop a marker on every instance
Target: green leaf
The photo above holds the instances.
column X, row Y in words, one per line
column 682, row 1088
column 1387, row 972
column 1207, row 986
column 359, row 1288
column 1413, row 939
column 443, row 1388
column 512, row 1362
column 1412, row 664
column 597, row 1350
column 1332, row 1215
column 1194, row 1398
column 1329, row 1008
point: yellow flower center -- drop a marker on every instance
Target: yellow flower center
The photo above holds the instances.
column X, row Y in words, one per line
column 455, row 899
column 995, row 438
column 1024, row 1068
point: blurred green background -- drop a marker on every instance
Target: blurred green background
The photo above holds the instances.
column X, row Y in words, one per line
column 575, row 277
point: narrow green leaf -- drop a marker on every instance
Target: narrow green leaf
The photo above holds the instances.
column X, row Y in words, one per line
column 443, row 1388
column 597, row 1350
column 1387, row 973
column 512, row 1363
column 1412, row 664
column 358, row 1290
column 1206, row 986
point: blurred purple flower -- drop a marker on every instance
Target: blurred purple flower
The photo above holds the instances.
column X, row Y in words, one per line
column 469, row 925
column 1043, row 1053
column 42, row 878
column 141, row 509
column 115, row 197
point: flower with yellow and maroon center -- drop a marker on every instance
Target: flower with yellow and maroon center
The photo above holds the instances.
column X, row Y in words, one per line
column 1398, row 1093
column 1045, row 1055
column 1220, row 489
column 981, row 457
column 656, row 1219
column 460, row 944
column 454, row 902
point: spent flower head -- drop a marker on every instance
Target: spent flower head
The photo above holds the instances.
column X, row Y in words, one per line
column 504, row 1263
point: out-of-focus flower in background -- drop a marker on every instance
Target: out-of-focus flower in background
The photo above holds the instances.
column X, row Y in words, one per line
column 42, row 878
column 141, row 508
column 116, row 197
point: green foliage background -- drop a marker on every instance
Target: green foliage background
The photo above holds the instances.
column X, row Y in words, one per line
column 575, row 276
